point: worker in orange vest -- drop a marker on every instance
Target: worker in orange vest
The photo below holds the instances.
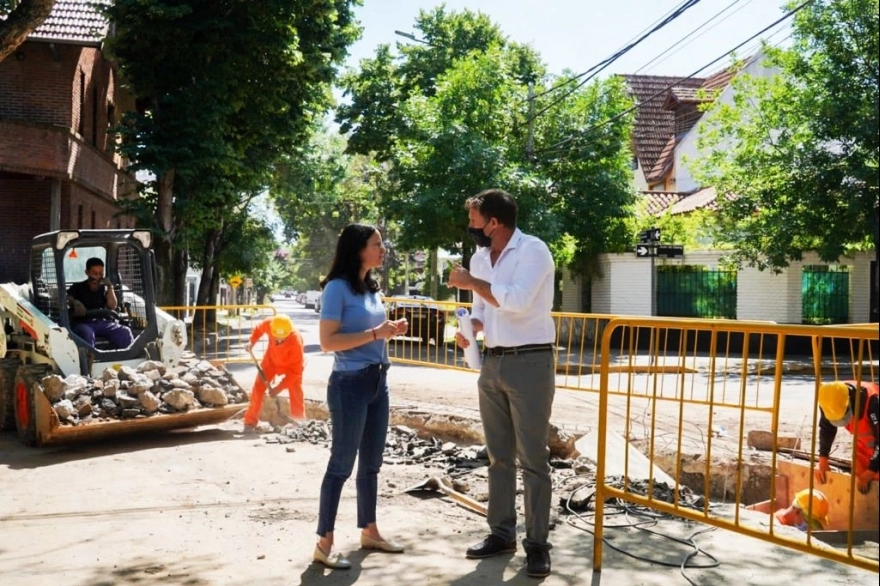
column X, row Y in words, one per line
column 284, row 357
column 806, row 510
column 856, row 408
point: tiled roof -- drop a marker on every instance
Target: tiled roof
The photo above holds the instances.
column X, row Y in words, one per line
column 664, row 162
column 656, row 202
column 654, row 124
column 705, row 198
column 73, row 21
column 682, row 94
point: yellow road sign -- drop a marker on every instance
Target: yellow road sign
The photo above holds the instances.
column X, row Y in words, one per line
column 234, row 281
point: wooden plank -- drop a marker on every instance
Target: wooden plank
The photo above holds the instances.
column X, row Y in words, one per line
column 865, row 507
column 617, row 450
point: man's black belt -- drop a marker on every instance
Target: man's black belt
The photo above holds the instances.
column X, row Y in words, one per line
column 504, row 350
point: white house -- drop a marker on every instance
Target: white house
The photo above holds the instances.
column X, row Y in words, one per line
column 668, row 122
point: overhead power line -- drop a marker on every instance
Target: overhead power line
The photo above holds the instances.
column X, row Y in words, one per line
column 593, row 71
column 556, row 147
column 681, row 42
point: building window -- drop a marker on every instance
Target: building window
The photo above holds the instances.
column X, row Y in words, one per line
column 82, row 104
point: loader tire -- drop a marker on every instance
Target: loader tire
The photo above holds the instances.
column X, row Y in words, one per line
column 8, row 367
column 27, row 380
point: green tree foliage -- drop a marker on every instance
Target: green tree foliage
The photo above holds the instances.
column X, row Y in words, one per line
column 18, row 20
column 796, row 155
column 318, row 190
column 455, row 115
column 224, row 89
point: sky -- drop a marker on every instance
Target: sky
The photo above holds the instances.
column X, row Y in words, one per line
column 578, row 34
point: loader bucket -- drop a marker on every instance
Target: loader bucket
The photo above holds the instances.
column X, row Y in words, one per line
column 47, row 430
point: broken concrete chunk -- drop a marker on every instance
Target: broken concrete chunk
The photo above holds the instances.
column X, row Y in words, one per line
column 53, row 387
column 763, row 440
column 180, row 399
column 213, row 396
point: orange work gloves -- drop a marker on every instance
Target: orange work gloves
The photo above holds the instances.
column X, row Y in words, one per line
column 864, row 479
column 821, row 469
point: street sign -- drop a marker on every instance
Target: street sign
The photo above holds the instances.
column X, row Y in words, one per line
column 670, row 250
column 234, row 281
column 649, row 236
column 643, row 250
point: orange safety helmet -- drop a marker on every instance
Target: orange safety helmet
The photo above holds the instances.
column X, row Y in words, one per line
column 834, row 400
column 281, row 326
column 813, row 508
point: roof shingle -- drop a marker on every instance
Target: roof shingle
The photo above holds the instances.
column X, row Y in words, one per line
column 654, row 124
column 73, row 21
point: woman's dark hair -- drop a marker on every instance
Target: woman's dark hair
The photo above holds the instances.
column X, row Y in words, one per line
column 347, row 260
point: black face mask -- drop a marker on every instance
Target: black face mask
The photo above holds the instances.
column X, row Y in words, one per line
column 480, row 238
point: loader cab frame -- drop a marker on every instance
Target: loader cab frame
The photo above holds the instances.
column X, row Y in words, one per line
column 58, row 260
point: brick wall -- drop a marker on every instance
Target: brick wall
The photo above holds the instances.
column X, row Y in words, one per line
column 24, row 213
column 56, row 105
column 69, row 86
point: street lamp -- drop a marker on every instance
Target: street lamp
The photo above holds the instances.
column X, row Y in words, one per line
column 412, row 37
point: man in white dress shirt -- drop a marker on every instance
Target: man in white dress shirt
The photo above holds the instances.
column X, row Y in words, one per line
column 511, row 275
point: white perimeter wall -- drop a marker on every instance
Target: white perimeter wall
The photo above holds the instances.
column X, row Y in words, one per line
column 625, row 287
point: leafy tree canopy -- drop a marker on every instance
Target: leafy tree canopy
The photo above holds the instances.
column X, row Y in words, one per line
column 224, row 90
column 459, row 113
column 795, row 156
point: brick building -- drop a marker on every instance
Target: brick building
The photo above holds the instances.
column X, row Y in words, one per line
column 59, row 95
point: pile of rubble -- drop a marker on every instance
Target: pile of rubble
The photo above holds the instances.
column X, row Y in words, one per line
column 150, row 389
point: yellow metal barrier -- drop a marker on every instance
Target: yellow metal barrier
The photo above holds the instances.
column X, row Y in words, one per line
column 689, row 393
column 220, row 332
column 724, row 410
column 657, row 351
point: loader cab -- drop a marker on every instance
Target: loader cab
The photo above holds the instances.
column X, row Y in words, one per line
column 58, row 259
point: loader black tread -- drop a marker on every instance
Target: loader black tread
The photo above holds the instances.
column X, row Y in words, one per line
column 8, row 368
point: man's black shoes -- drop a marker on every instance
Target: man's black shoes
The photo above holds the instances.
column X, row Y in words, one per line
column 491, row 546
column 538, row 561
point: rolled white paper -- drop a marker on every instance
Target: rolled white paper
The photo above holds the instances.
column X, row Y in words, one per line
column 472, row 352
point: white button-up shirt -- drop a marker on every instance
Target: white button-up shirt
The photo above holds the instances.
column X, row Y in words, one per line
column 522, row 283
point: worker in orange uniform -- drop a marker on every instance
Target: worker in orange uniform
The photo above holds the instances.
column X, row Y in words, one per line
column 856, row 408
column 284, row 357
column 805, row 511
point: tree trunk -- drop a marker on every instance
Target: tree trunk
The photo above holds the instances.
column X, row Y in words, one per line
column 21, row 22
column 207, row 290
column 181, row 263
column 164, row 249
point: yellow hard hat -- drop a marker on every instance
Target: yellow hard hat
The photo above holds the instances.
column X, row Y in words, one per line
column 281, row 326
column 834, row 400
column 813, row 508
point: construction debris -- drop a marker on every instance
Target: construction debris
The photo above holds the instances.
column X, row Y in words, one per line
column 149, row 390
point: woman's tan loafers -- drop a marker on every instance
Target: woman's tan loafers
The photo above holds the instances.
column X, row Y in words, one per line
column 368, row 542
column 334, row 561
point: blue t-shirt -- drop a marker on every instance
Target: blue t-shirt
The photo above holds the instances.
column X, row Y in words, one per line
column 355, row 313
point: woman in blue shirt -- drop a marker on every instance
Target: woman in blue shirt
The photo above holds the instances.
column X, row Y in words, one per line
column 354, row 327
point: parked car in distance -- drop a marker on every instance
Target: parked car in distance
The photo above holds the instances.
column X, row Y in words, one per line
column 311, row 298
column 426, row 320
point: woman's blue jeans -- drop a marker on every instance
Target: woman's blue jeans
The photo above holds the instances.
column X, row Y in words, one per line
column 359, row 411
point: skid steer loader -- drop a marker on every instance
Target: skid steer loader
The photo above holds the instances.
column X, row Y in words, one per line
column 37, row 338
